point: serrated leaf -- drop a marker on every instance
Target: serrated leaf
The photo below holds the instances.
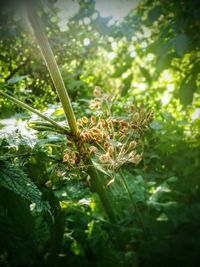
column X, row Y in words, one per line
column 15, row 180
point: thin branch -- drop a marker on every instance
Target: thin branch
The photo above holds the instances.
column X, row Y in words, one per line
column 25, row 106
column 132, row 200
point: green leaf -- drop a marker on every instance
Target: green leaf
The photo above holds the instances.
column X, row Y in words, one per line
column 187, row 90
column 153, row 14
column 127, row 62
column 57, row 112
column 99, row 168
column 77, row 249
column 127, row 84
column 156, row 125
column 51, row 139
column 16, row 79
column 181, row 44
column 163, row 62
column 146, row 74
column 172, row 179
column 16, row 229
column 14, row 179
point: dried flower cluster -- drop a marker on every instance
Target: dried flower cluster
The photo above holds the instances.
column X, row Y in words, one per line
column 109, row 140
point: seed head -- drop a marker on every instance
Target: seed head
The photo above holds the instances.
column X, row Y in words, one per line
column 93, row 119
column 111, row 150
column 106, row 145
column 97, row 91
column 69, row 143
column 124, row 124
column 104, row 158
column 123, row 148
column 104, row 123
column 136, row 159
column 72, row 161
column 96, row 131
column 79, row 122
column 95, row 104
column 92, row 150
column 132, row 154
column 85, row 120
column 66, row 158
column 132, row 144
column 48, row 184
column 150, row 116
column 136, row 117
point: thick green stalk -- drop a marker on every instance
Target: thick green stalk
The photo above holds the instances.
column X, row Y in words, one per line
column 97, row 186
column 25, row 106
column 52, row 67
column 57, row 229
column 64, row 98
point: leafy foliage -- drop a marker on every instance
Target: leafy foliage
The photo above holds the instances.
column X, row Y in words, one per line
column 17, row 242
column 15, row 180
column 18, row 226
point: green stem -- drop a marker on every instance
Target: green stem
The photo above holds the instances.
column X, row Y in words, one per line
column 52, row 67
column 132, row 200
column 25, row 106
